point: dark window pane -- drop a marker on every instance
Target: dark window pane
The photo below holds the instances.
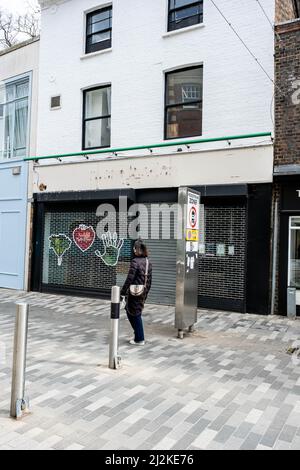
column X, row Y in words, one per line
column 99, row 27
column 184, row 13
column 184, row 121
column 97, row 103
column 97, row 118
column 97, row 133
column 180, row 3
column 184, row 23
column 99, row 16
column 99, row 37
column 184, row 103
column 98, row 46
column 184, row 86
column 180, row 15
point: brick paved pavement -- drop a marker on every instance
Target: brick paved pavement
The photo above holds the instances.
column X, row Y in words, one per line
column 229, row 385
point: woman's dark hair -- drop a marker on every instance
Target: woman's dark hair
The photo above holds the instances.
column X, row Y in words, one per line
column 141, row 248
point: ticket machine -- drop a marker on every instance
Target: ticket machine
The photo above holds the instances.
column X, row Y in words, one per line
column 187, row 260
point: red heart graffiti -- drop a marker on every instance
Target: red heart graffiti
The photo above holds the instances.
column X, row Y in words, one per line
column 84, row 237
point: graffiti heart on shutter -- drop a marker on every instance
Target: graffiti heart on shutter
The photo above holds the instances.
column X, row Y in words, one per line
column 84, row 237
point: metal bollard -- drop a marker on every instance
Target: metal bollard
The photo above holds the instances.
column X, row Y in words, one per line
column 114, row 358
column 18, row 402
column 291, row 303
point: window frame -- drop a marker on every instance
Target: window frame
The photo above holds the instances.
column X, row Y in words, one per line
column 15, row 81
column 176, row 105
column 173, row 10
column 87, row 35
column 85, row 119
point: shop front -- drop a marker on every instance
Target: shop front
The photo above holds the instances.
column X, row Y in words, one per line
column 74, row 255
column 289, row 243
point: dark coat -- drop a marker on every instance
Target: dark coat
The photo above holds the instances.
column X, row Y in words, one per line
column 136, row 276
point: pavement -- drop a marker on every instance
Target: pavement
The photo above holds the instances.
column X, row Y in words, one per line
column 229, row 385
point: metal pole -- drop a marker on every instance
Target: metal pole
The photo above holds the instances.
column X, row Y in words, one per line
column 18, row 402
column 153, row 146
column 275, row 248
column 114, row 359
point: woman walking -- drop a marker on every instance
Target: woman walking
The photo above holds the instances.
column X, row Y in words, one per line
column 136, row 289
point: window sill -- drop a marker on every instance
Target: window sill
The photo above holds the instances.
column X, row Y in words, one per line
column 95, row 54
column 183, row 30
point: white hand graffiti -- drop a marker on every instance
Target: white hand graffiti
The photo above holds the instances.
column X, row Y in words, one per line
column 112, row 248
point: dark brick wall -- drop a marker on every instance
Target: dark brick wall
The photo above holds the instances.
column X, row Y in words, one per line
column 287, row 117
column 287, row 101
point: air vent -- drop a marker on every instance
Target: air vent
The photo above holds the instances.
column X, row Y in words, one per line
column 56, row 102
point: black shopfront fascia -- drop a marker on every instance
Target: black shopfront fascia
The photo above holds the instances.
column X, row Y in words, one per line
column 258, row 202
column 256, row 198
column 289, row 206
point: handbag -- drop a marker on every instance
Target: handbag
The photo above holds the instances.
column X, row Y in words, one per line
column 138, row 289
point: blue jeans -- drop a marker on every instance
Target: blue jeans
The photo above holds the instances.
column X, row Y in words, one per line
column 136, row 322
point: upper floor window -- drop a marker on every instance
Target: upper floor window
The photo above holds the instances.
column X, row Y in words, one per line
column 99, row 30
column 183, row 13
column 183, row 114
column 14, row 102
column 96, row 118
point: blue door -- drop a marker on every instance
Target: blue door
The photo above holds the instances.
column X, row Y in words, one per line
column 13, row 203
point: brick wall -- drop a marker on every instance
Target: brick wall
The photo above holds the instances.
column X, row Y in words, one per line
column 287, row 109
column 287, row 102
column 284, row 11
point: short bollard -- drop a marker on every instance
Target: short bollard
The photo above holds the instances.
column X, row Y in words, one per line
column 291, row 303
column 114, row 358
column 18, row 402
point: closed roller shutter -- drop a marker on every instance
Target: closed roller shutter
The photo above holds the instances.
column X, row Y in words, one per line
column 162, row 253
column 78, row 270
column 222, row 258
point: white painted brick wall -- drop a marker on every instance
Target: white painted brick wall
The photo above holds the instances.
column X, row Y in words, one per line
column 237, row 95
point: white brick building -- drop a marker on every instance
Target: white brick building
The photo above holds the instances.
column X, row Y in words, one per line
column 113, row 72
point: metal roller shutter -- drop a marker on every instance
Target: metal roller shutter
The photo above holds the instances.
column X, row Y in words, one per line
column 163, row 255
column 222, row 258
column 78, row 269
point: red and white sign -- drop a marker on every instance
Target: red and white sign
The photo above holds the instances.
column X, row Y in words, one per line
column 193, row 211
column 84, row 237
column 193, row 217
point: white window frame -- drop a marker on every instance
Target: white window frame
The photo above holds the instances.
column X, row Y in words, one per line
column 85, row 14
column 15, row 80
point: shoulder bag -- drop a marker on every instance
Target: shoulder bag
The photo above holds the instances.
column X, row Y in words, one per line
column 137, row 289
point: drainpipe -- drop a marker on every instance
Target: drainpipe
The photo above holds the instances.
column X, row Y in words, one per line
column 274, row 256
